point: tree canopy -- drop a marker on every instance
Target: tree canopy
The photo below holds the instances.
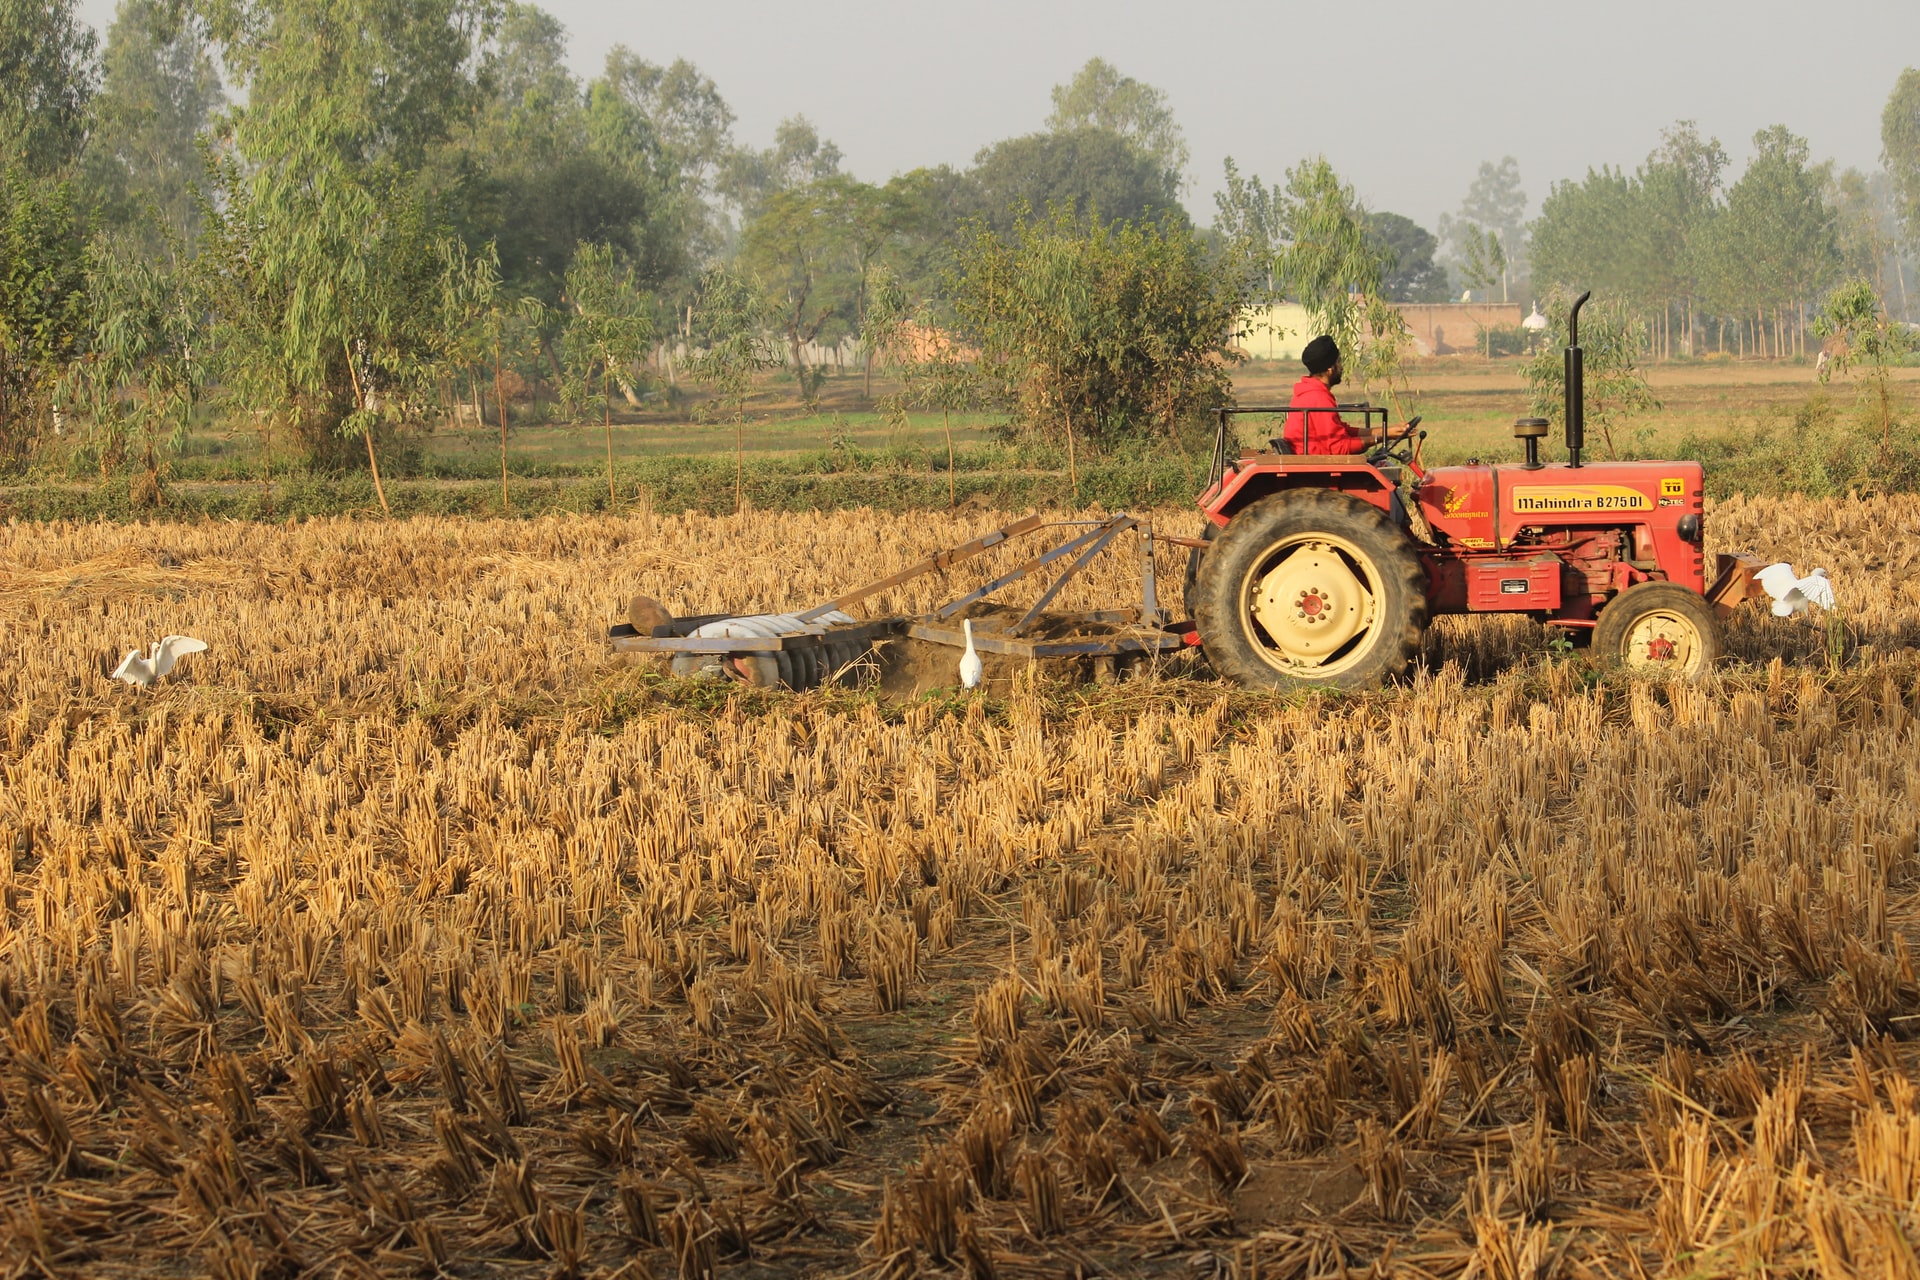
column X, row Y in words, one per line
column 1406, row 251
column 814, row 248
column 1092, row 331
column 1900, row 150
column 47, row 53
column 43, row 301
column 798, row 156
column 324, row 241
column 1092, row 170
column 1099, row 97
column 1495, row 202
column 1672, row 242
column 160, row 91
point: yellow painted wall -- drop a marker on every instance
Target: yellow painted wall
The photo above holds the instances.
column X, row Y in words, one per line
column 1277, row 332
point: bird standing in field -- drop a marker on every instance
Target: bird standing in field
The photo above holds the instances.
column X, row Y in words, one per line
column 971, row 668
column 141, row 670
column 1792, row 593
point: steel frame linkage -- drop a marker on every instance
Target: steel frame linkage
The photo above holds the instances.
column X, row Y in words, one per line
column 1149, row 632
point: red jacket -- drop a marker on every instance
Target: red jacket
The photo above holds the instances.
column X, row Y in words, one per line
column 1330, row 433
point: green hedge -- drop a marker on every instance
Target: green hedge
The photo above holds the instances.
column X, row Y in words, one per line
column 669, row 484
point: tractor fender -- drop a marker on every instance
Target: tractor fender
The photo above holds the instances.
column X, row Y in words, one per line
column 1261, row 476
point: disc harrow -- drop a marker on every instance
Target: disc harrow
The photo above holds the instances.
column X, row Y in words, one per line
column 828, row 645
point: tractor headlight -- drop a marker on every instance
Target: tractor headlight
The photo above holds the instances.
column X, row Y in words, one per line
column 1689, row 526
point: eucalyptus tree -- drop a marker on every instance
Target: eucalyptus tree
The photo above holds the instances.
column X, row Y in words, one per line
column 926, row 210
column 43, row 302
column 1313, row 240
column 1611, row 338
column 143, row 166
column 1651, row 238
column 46, row 88
column 1330, row 261
column 1900, row 150
column 681, row 107
column 814, row 248
column 933, row 371
column 476, row 324
column 46, row 92
column 1324, row 258
column 1483, row 263
column 1679, row 198
column 1250, row 217
column 323, row 238
column 731, row 318
column 799, row 156
column 1775, row 242
column 1865, row 236
column 609, row 329
column 1867, row 339
column 546, row 164
column 144, row 366
column 1590, row 234
column 669, row 128
column 1496, row 202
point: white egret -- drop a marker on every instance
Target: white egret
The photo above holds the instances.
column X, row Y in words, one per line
column 143, row 669
column 1792, row 593
column 971, row 668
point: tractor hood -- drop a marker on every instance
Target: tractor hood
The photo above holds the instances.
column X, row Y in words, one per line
column 1498, row 506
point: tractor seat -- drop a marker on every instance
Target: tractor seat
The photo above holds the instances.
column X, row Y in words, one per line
column 1280, row 445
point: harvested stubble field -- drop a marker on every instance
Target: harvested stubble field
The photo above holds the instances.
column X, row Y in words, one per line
column 404, row 933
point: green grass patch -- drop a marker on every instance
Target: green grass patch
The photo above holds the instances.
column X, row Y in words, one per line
column 900, row 479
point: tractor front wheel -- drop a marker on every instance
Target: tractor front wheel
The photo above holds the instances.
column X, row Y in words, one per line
column 1659, row 627
column 1310, row 587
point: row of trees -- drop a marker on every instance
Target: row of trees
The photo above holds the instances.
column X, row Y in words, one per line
column 413, row 203
column 410, row 207
column 1739, row 266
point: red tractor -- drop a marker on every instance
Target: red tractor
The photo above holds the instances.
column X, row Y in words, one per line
column 1314, row 571
column 1326, row 570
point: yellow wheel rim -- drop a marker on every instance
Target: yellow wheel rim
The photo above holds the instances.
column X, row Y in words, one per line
column 1313, row 605
column 1666, row 641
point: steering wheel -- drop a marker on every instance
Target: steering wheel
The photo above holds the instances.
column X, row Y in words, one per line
column 1403, row 437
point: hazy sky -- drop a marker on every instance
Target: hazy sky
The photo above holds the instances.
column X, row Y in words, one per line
column 1405, row 98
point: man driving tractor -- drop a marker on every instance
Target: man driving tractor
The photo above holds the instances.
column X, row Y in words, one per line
column 1325, row 433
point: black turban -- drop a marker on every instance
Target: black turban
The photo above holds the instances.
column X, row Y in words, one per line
column 1320, row 355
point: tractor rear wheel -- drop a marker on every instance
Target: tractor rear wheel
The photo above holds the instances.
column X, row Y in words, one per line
column 1659, row 627
column 1310, row 587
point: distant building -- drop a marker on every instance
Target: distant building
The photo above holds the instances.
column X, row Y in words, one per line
column 1280, row 331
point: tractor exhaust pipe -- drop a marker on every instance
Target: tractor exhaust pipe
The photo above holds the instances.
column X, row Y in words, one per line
column 1576, row 381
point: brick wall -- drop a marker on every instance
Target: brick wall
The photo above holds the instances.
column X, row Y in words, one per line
column 1449, row 328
